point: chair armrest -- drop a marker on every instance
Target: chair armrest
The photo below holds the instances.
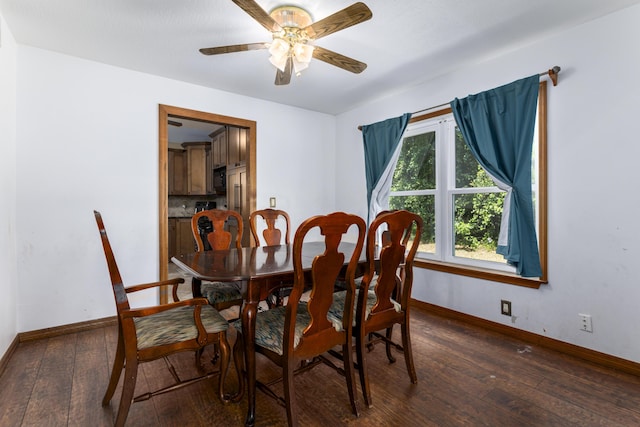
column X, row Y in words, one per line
column 148, row 311
column 136, row 288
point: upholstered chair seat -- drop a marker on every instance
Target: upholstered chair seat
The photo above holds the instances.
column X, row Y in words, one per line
column 221, row 292
column 270, row 326
column 176, row 325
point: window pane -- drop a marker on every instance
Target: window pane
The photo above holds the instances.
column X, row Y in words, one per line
column 469, row 173
column 416, row 168
column 425, row 207
column 477, row 225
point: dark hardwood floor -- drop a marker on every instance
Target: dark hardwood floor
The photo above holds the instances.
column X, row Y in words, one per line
column 466, row 376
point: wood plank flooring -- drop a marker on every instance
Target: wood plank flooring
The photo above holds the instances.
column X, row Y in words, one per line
column 467, row 376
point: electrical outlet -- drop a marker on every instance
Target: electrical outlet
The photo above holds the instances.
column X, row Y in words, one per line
column 585, row 322
column 505, row 307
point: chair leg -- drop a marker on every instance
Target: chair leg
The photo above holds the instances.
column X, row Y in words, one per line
column 198, row 354
column 289, row 396
column 362, row 369
column 128, row 387
column 347, row 351
column 116, row 370
column 408, row 353
column 195, row 287
column 388, row 345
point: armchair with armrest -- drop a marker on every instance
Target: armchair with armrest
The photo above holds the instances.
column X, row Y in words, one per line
column 150, row 333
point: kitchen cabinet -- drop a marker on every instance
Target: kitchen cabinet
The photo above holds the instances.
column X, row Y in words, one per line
column 181, row 239
column 237, row 197
column 236, row 146
column 219, row 147
column 177, row 172
column 199, row 168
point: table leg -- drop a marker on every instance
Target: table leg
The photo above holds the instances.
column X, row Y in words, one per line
column 249, row 310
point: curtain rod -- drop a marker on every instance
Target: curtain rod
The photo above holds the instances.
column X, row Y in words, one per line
column 552, row 73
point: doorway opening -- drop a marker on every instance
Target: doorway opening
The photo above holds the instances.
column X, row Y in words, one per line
column 247, row 200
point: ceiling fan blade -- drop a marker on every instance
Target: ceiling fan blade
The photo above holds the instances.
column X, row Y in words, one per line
column 256, row 12
column 338, row 60
column 354, row 14
column 174, row 123
column 233, row 48
column 284, row 77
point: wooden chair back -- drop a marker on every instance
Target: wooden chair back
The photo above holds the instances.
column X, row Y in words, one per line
column 220, row 238
column 394, row 269
column 320, row 335
column 271, row 236
column 122, row 302
column 387, row 284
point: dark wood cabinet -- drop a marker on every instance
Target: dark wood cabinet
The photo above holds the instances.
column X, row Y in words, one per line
column 219, row 148
column 198, row 170
column 237, row 197
column 177, row 172
column 181, row 239
column 236, row 146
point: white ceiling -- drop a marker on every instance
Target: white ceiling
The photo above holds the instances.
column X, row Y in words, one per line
column 405, row 43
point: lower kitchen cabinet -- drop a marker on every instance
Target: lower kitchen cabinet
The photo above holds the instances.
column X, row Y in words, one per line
column 181, row 239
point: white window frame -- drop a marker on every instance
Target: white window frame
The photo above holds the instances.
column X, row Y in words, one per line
column 444, row 127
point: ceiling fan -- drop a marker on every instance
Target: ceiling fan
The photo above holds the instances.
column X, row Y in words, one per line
column 293, row 32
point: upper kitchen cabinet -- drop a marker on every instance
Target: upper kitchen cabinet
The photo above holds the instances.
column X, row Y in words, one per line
column 177, row 173
column 199, row 168
column 237, row 139
column 219, row 147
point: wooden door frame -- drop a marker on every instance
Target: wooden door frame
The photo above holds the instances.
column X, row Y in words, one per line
column 163, row 184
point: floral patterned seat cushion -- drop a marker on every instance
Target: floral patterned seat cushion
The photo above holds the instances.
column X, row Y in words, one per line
column 270, row 326
column 216, row 292
column 176, row 325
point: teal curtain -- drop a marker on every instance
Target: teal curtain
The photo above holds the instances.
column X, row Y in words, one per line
column 381, row 141
column 498, row 126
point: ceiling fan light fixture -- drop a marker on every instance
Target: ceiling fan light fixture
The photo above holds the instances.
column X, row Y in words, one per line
column 303, row 52
column 298, row 66
column 280, row 62
column 279, row 51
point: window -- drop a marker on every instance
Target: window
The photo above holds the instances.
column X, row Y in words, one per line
column 438, row 178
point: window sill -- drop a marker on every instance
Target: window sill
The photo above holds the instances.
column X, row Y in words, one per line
column 481, row 273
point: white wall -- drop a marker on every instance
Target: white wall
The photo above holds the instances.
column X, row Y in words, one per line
column 8, row 266
column 594, row 229
column 88, row 139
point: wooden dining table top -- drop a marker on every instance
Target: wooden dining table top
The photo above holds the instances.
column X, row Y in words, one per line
column 250, row 263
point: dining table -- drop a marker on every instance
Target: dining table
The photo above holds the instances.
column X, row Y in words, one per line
column 261, row 270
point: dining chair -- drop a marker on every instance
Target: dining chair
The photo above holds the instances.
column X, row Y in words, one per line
column 221, row 295
column 268, row 219
column 382, row 300
column 150, row 333
column 271, row 235
column 288, row 335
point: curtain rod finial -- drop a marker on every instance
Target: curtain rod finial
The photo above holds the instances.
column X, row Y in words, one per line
column 553, row 73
